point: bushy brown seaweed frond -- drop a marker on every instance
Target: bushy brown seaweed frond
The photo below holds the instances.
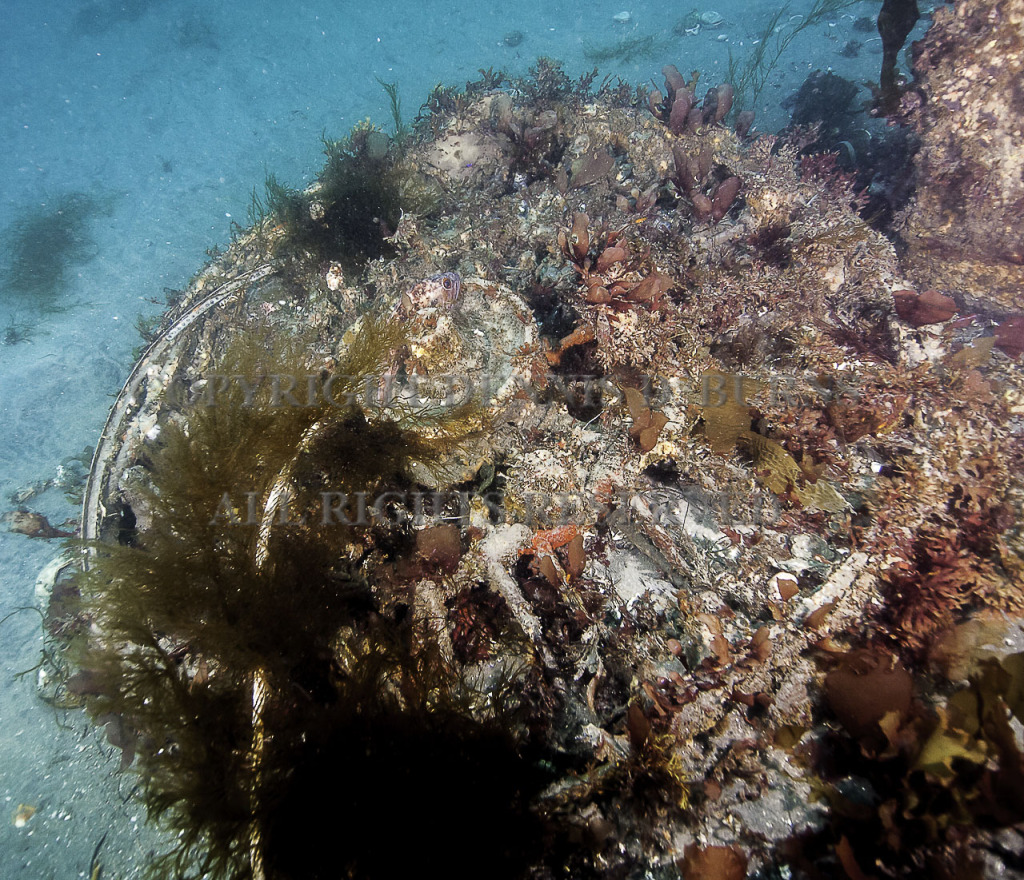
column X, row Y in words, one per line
column 187, row 621
column 953, row 568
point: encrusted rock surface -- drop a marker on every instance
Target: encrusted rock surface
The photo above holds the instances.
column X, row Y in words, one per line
column 964, row 229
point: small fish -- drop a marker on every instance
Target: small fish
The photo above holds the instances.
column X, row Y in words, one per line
column 23, row 814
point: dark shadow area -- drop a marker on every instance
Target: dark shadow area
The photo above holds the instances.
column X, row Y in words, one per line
column 44, row 244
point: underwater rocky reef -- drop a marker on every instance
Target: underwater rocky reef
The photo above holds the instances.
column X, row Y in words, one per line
column 580, row 486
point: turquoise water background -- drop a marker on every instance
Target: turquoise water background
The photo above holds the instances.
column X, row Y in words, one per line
column 161, row 117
